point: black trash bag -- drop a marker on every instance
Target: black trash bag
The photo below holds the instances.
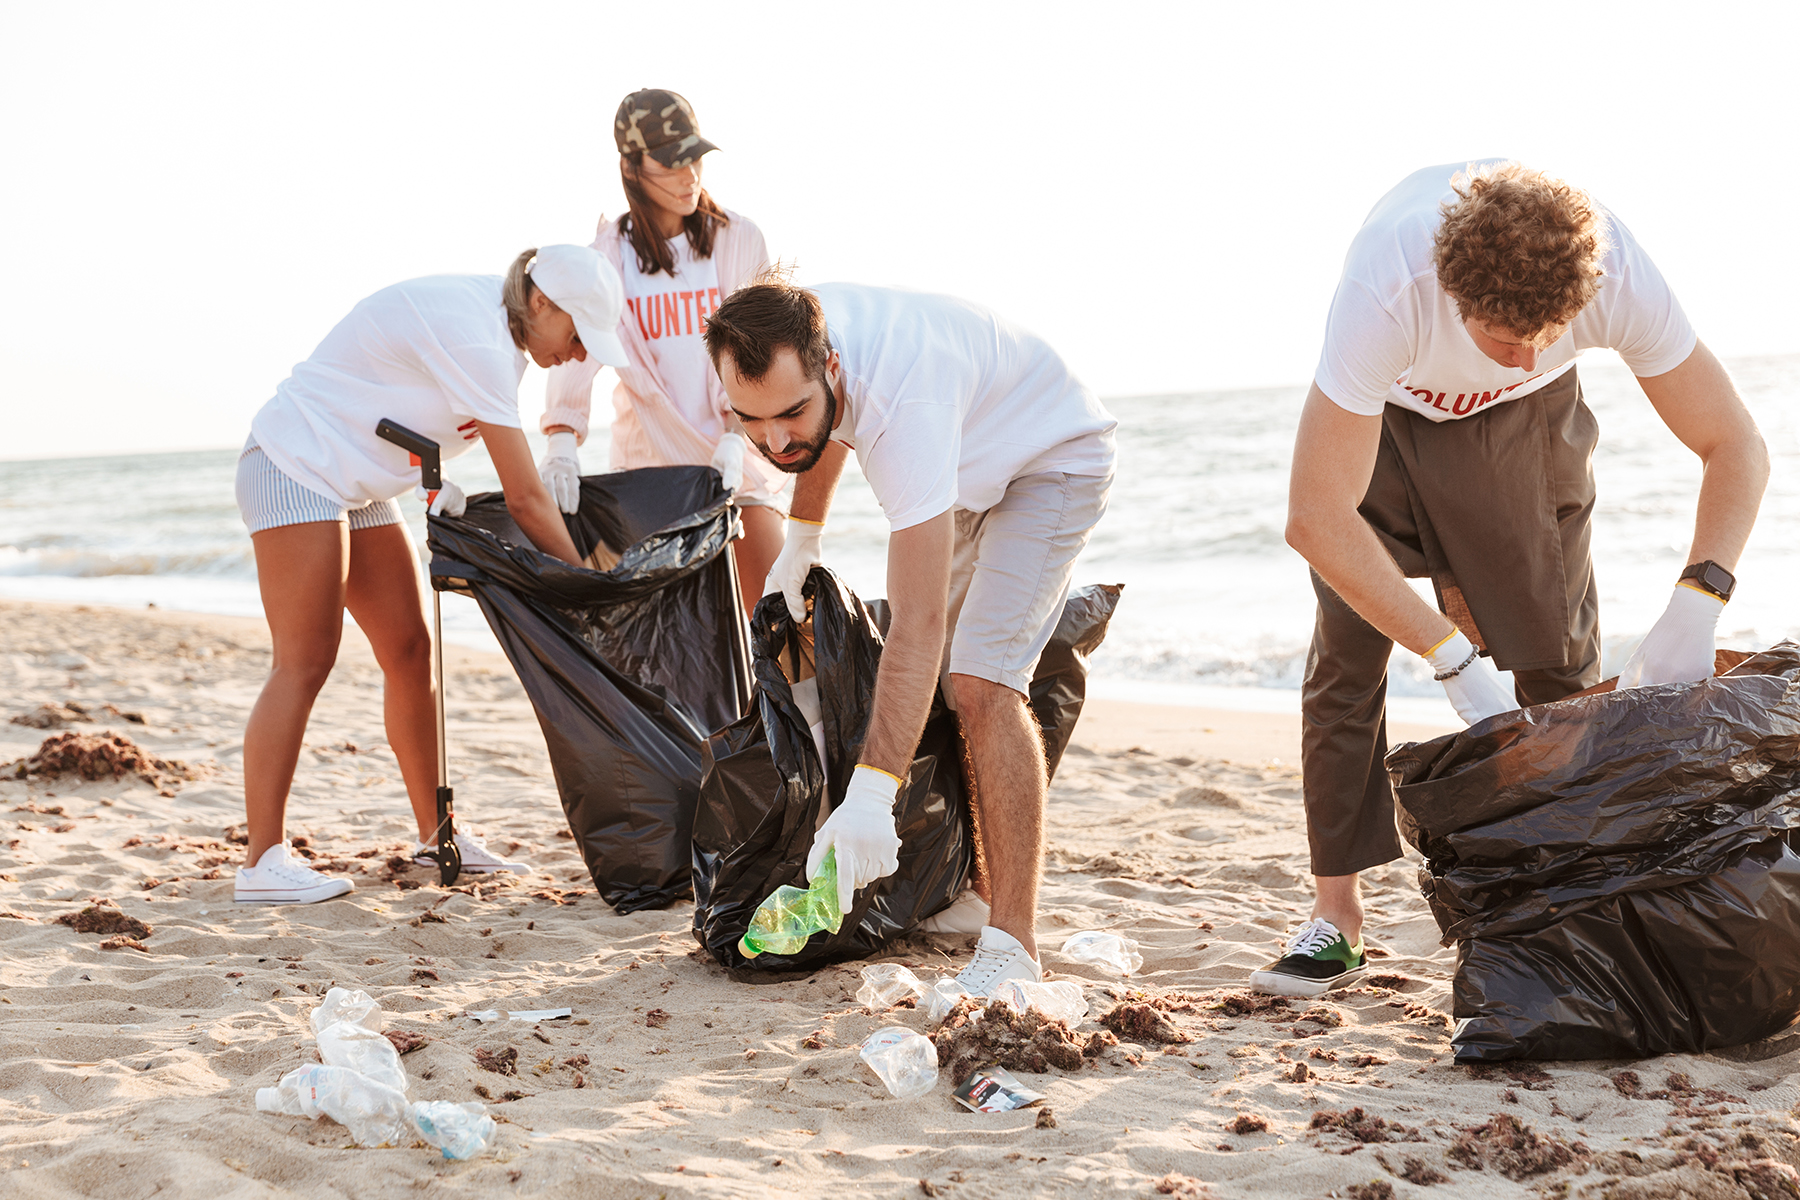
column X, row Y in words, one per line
column 627, row 668
column 1614, row 869
column 763, row 791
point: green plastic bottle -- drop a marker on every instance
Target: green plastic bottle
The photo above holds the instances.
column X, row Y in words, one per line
column 787, row 918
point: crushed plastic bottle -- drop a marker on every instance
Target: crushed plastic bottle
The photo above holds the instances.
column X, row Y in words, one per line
column 374, row 1114
column 346, row 1004
column 1110, row 952
column 905, row 1061
column 887, row 984
column 942, row 998
column 461, row 1131
column 1060, row 1001
column 783, row 922
column 359, row 1048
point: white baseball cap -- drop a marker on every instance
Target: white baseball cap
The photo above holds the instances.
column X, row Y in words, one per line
column 583, row 284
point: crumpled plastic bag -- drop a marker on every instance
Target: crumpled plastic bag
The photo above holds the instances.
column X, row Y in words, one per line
column 1614, row 869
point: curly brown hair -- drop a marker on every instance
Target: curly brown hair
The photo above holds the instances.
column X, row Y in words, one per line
column 1518, row 249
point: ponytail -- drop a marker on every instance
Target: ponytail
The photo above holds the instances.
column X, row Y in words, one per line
column 516, row 294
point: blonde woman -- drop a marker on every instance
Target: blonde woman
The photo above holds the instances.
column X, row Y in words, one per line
column 679, row 255
column 442, row 356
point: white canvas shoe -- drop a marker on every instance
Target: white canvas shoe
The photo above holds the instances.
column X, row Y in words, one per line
column 477, row 859
column 280, row 878
column 968, row 913
column 998, row 958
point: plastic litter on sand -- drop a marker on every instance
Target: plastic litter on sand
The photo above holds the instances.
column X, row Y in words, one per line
column 1110, row 952
column 887, row 984
column 905, row 1061
column 461, row 1131
column 943, row 997
column 783, row 922
column 1060, row 1001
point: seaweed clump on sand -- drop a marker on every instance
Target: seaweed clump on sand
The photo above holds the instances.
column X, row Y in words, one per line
column 103, row 916
column 1514, row 1149
column 1364, row 1127
column 974, row 1035
column 1145, row 1021
column 95, row 756
column 1253, row 1004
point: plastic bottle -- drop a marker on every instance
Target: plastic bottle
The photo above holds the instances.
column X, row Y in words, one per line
column 784, row 921
column 459, row 1130
column 905, row 1061
column 359, row 1048
column 943, row 997
column 887, row 984
column 1111, row 953
column 1060, row 1001
column 375, row 1115
column 346, row 1004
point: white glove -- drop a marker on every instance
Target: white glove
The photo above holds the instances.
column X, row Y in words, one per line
column 561, row 471
column 1679, row 647
column 449, row 501
column 799, row 555
column 1476, row 690
column 728, row 461
column 862, row 829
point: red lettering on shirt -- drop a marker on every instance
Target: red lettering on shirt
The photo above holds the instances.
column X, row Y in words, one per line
column 469, row 430
column 687, row 308
column 638, row 313
column 1458, row 408
column 671, row 306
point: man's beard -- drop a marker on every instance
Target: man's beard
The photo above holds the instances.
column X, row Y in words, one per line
column 813, row 450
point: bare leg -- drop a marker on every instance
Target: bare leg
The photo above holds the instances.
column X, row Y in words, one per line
column 1338, row 899
column 1009, row 774
column 765, row 530
column 386, row 596
column 300, row 570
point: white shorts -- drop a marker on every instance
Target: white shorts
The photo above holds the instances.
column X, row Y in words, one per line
column 1010, row 570
column 267, row 498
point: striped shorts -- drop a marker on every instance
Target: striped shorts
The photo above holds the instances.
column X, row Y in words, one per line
column 267, row 498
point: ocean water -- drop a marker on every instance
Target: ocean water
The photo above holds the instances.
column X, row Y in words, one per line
column 1217, row 609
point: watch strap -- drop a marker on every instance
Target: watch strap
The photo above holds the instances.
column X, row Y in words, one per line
column 1709, row 576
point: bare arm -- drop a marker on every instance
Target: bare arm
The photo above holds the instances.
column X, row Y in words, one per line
column 1701, row 407
column 918, row 593
column 1334, row 459
column 527, row 499
column 814, row 488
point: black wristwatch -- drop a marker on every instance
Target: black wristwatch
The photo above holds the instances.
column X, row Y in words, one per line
column 1709, row 576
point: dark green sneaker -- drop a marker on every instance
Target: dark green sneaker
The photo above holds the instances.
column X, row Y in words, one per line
column 1315, row 960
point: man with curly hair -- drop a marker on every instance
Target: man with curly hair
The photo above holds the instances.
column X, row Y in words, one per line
column 1445, row 437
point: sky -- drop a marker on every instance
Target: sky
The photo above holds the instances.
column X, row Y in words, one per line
column 195, row 193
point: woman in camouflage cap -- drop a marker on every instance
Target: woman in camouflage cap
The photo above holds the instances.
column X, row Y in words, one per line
column 680, row 255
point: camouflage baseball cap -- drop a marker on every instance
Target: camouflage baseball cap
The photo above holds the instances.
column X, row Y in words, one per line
column 661, row 124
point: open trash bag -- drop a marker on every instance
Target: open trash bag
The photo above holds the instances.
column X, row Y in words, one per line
column 1614, row 869
column 627, row 666
column 765, row 790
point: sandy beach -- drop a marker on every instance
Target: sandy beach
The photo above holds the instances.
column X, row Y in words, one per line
column 131, row 1071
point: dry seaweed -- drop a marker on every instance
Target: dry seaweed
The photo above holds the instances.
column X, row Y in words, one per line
column 1143, row 1022
column 95, row 756
column 504, row 1063
column 1514, row 1149
column 104, row 917
column 1364, row 1127
column 973, row 1035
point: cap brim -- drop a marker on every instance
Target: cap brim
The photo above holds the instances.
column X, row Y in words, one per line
column 604, row 347
column 673, row 152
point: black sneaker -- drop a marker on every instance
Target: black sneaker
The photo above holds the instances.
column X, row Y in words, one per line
column 1316, row 959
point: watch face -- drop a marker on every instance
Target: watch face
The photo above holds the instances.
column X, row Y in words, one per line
column 1718, row 578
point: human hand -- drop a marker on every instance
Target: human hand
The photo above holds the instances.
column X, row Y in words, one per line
column 1474, row 686
column 447, row 501
column 728, row 461
column 561, row 471
column 799, row 555
column 862, row 830
column 1679, row 647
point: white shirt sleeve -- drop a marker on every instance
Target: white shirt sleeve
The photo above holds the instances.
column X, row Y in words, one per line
column 1642, row 319
column 1365, row 351
column 912, row 465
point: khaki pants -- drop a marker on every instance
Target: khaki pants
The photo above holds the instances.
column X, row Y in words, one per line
column 1496, row 510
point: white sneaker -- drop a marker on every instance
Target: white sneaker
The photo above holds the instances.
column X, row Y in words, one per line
column 477, row 859
column 280, row 878
column 968, row 913
column 998, row 958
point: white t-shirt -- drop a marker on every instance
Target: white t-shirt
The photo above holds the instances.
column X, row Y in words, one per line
column 1394, row 336
column 671, row 313
column 949, row 403
column 431, row 354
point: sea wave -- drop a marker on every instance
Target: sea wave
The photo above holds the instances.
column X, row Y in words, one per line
column 81, row 563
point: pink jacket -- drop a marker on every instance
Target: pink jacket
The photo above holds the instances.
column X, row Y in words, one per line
column 648, row 430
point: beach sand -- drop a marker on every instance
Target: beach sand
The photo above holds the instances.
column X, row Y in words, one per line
column 129, row 1073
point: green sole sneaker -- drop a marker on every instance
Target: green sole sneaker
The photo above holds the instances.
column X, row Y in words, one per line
column 1316, row 960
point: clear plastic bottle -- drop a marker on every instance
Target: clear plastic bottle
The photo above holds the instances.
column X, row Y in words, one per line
column 943, row 997
column 887, row 984
column 459, row 1130
column 1110, row 952
column 346, row 1004
column 1060, row 1001
column 359, row 1048
column 906, row 1061
column 374, row 1114
column 783, row 922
